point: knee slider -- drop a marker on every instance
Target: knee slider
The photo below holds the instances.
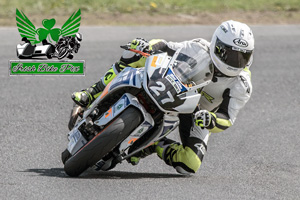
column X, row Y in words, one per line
column 182, row 171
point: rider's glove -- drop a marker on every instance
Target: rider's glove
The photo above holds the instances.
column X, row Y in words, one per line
column 139, row 44
column 204, row 119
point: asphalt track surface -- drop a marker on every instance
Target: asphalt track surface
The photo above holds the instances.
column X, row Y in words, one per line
column 257, row 158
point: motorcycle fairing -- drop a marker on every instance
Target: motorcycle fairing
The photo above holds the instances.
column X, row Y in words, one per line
column 166, row 127
column 164, row 89
column 113, row 111
column 169, row 126
column 125, row 101
column 76, row 139
column 167, row 91
column 129, row 77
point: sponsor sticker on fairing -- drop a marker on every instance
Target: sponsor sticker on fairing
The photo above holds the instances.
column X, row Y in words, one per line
column 174, row 82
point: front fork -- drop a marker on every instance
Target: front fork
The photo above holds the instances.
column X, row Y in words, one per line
column 75, row 112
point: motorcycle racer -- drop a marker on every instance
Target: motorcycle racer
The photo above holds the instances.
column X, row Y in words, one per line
column 74, row 43
column 230, row 53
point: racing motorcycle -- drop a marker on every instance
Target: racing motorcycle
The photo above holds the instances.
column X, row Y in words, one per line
column 62, row 51
column 65, row 48
column 137, row 108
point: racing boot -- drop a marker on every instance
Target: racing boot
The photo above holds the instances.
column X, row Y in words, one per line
column 135, row 159
column 82, row 98
column 109, row 161
column 85, row 97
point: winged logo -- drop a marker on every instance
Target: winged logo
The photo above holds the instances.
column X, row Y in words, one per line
column 28, row 30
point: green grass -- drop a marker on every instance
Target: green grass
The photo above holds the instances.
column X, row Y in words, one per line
column 65, row 7
column 97, row 12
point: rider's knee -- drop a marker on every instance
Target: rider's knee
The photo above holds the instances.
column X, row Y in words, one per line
column 183, row 159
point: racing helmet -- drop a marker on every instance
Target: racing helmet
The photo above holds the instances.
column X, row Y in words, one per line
column 231, row 47
column 78, row 37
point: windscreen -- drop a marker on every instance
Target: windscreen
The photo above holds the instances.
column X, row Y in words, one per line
column 193, row 70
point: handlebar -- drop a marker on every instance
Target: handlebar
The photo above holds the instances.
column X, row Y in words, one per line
column 136, row 51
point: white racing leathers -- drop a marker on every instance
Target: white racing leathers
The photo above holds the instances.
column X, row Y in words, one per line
column 224, row 97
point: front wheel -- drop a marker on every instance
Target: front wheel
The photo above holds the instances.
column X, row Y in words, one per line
column 104, row 142
column 65, row 155
column 62, row 53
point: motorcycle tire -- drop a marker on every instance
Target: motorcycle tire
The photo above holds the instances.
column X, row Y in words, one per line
column 65, row 155
column 62, row 53
column 103, row 142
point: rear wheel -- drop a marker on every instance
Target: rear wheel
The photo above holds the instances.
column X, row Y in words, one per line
column 104, row 142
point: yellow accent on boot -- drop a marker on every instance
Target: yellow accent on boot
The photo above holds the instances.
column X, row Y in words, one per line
column 77, row 96
column 159, row 150
column 134, row 160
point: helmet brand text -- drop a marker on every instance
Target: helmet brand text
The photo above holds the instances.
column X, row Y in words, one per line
column 240, row 42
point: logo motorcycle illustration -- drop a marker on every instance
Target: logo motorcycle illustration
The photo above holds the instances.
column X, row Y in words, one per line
column 45, row 43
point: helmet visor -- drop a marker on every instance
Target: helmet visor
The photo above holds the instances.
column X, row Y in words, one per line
column 232, row 56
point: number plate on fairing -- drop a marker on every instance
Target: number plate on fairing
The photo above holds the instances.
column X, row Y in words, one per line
column 164, row 89
column 76, row 141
